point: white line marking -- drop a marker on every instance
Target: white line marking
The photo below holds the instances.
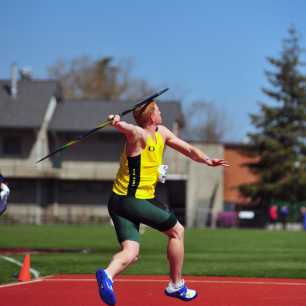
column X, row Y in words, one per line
column 18, row 263
column 21, row 283
column 188, row 281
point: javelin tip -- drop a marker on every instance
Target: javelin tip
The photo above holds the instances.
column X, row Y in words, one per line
column 162, row 91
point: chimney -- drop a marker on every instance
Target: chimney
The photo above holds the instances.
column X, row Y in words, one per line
column 14, row 89
column 25, row 74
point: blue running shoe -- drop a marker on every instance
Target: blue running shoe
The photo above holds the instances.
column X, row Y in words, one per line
column 182, row 293
column 105, row 286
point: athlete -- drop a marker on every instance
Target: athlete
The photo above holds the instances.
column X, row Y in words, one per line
column 4, row 193
column 133, row 199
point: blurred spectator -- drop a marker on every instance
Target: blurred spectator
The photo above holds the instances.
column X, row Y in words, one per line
column 273, row 214
column 227, row 219
column 283, row 214
column 303, row 217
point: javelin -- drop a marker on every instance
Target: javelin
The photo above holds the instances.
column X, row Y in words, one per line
column 102, row 125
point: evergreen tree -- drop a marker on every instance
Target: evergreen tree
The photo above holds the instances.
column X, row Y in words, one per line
column 279, row 142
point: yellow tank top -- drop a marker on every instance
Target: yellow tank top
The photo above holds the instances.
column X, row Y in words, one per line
column 138, row 175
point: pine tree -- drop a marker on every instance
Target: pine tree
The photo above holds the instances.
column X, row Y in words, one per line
column 279, row 142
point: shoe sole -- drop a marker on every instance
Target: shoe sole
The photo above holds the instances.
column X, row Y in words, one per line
column 180, row 298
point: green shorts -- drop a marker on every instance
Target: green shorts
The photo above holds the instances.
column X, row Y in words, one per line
column 128, row 212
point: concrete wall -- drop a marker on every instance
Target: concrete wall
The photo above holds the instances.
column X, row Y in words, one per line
column 55, row 214
column 204, row 189
column 41, row 146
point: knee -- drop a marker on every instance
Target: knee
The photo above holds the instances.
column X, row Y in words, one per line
column 132, row 257
column 135, row 258
column 180, row 231
column 129, row 252
column 176, row 232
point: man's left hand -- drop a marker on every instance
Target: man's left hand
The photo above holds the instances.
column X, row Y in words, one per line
column 217, row 162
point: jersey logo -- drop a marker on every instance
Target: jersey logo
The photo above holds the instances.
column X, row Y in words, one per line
column 151, row 148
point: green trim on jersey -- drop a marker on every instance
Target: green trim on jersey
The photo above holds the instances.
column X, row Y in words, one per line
column 137, row 176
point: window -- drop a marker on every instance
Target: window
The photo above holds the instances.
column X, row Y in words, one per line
column 69, row 186
column 12, row 146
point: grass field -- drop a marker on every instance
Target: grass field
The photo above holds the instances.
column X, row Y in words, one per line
column 253, row 253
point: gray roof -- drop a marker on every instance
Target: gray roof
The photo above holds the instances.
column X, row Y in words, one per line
column 27, row 110
column 84, row 115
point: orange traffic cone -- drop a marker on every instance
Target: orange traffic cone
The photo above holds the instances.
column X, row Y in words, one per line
column 24, row 274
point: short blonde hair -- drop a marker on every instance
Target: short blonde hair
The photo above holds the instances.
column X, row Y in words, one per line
column 142, row 113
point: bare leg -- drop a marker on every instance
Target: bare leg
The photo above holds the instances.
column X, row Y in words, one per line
column 177, row 287
column 175, row 252
column 126, row 256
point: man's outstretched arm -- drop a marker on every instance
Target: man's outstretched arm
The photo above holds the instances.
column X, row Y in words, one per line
column 190, row 151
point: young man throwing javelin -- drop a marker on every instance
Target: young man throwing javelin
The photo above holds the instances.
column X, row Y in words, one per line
column 133, row 199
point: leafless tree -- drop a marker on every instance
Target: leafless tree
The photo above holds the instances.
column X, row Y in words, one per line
column 205, row 122
column 86, row 78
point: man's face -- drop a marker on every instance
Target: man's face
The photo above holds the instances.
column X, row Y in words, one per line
column 156, row 115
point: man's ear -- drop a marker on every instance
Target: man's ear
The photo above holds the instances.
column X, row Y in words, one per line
column 151, row 117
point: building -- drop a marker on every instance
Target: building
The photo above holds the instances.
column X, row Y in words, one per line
column 74, row 185
column 239, row 210
column 237, row 174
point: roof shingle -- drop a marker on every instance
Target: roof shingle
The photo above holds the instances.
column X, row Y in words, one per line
column 27, row 110
column 84, row 115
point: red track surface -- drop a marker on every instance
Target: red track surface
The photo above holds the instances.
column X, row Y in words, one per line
column 81, row 290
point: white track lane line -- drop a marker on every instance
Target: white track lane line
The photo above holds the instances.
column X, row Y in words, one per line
column 18, row 263
column 268, row 283
column 21, row 283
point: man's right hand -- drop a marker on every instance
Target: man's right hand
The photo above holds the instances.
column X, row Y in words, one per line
column 114, row 119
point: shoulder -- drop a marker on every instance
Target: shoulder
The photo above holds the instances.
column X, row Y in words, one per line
column 167, row 134
column 164, row 131
column 135, row 134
